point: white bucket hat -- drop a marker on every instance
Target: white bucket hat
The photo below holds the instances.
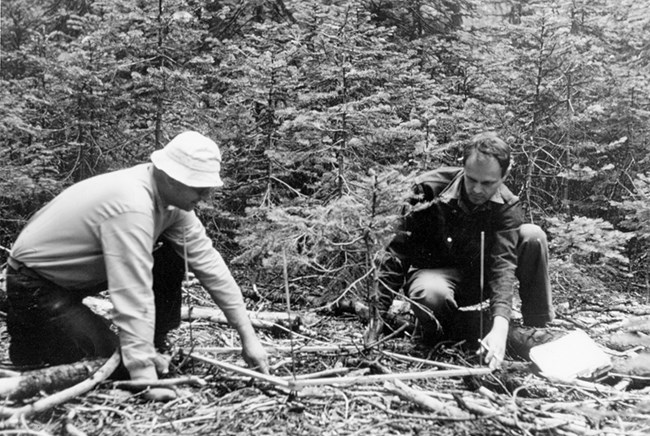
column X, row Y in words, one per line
column 192, row 159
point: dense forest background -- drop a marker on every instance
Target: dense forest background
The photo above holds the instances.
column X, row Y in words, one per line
column 325, row 110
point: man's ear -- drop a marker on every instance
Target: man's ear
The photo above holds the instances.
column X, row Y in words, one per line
column 168, row 181
column 505, row 176
column 163, row 181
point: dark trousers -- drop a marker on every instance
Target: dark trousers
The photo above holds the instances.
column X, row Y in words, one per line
column 435, row 294
column 49, row 324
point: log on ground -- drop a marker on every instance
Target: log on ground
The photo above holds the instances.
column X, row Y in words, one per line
column 48, row 380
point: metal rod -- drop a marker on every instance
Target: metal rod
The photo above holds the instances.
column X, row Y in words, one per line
column 186, row 284
column 185, row 263
column 288, row 295
column 482, row 284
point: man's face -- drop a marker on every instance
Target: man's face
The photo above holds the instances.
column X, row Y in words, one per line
column 482, row 177
column 185, row 197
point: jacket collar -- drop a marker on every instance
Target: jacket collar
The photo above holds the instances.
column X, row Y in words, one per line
column 454, row 191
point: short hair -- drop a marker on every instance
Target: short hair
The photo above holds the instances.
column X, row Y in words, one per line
column 489, row 143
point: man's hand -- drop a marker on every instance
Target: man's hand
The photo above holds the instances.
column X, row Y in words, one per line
column 159, row 394
column 494, row 343
column 252, row 351
column 255, row 355
column 162, row 363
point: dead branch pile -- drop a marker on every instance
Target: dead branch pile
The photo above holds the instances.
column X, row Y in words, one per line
column 325, row 382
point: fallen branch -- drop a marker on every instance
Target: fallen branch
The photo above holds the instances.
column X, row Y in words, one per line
column 286, row 349
column 395, row 319
column 392, row 335
column 262, row 320
column 70, row 428
column 51, row 379
column 366, row 379
column 167, row 382
column 14, row 414
column 568, row 424
column 425, row 401
column 489, row 412
column 412, row 359
column 507, row 416
column 295, row 385
column 325, row 373
column 239, row 370
column 8, row 373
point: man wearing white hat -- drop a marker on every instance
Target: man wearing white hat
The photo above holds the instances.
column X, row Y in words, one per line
column 100, row 234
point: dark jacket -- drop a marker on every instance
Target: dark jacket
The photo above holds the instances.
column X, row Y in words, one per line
column 442, row 230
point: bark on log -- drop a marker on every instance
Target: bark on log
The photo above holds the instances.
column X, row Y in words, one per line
column 48, row 380
column 53, row 400
column 262, row 320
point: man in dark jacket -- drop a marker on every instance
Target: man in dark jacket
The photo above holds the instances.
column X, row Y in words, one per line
column 436, row 253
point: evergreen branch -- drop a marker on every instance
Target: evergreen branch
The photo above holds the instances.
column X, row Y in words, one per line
column 348, row 289
column 299, row 194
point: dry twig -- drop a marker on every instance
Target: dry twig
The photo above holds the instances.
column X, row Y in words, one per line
column 277, row 381
column 376, row 378
column 429, row 403
column 167, row 382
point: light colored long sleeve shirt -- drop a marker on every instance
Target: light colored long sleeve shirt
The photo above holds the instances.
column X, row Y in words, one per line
column 100, row 234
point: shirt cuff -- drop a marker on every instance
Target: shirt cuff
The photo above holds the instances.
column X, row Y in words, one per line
column 144, row 373
column 501, row 310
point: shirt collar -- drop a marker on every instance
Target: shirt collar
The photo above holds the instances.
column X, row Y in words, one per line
column 453, row 191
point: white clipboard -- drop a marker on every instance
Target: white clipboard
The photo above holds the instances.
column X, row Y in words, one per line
column 572, row 356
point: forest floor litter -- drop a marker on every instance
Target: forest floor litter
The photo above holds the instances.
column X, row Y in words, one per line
column 325, row 382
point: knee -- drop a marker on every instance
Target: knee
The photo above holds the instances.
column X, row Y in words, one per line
column 430, row 291
column 532, row 234
column 168, row 269
column 166, row 259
